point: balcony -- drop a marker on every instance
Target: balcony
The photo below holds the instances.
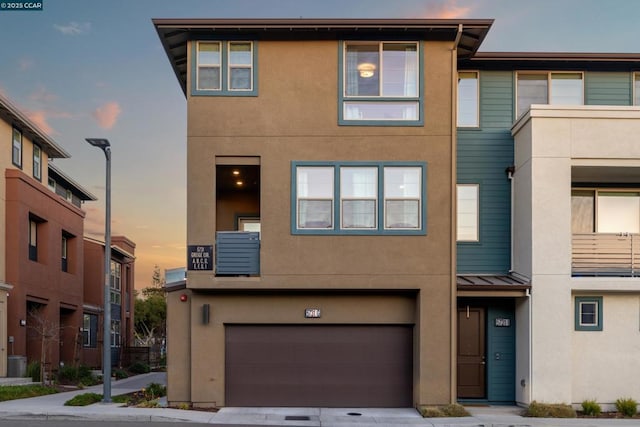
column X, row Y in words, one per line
column 237, row 253
column 606, row 255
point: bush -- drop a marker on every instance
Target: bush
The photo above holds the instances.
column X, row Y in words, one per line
column 80, row 375
column 155, row 390
column 68, row 374
column 84, row 399
column 549, row 410
column 33, row 371
column 591, row 408
column 452, row 410
column 139, row 368
column 120, row 374
column 627, row 406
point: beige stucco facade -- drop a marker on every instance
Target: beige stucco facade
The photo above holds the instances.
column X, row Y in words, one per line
column 353, row 279
column 555, row 147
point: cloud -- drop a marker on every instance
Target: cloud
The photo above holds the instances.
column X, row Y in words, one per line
column 107, row 114
column 447, row 9
column 39, row 118
column 73, row 28
column 42, row 95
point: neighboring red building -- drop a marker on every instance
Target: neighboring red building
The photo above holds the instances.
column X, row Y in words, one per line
column 121, row 292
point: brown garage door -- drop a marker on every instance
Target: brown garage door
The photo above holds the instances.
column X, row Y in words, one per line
column 324, row 365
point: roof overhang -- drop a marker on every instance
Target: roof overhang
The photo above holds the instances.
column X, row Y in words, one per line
column 492, row 285
column 175, row 33
column 58, row 175
column 551, row 61
column 12, row 115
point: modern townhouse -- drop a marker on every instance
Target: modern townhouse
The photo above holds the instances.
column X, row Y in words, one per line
column 548, row 195
column 121, row 300
column 41, row 257
column 320, row 208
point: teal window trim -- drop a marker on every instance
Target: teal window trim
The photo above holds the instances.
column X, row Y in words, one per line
column 581, row 302
column 342, row 98
column 224, row 69
column 380, row 214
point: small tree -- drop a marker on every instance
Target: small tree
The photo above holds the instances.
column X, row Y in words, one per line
column 151, row 312
column 47, row 331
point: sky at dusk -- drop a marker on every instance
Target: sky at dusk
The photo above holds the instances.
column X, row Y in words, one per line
column 96, row 68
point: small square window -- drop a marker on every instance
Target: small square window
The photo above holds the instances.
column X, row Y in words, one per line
column 588, row 314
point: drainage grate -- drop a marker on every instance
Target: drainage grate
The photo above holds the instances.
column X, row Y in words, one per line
column 297, row 418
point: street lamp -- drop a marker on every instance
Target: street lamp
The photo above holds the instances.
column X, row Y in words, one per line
column 104, row 145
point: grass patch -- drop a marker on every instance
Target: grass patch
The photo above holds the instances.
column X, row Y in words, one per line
column 452, row 410
column 550, row 410
column 84, row 399
column 12, row 392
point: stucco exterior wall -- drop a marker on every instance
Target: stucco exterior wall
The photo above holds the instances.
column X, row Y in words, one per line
column 295, row 118
column 568, row 365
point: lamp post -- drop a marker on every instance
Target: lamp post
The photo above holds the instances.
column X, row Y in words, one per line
column 104, row 145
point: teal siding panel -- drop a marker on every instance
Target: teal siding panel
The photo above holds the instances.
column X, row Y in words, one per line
column 603, row 88
column 483, row 157
column 501, row 353
column 496, row 99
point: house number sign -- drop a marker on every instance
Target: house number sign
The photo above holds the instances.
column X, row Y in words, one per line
column 200, row 257
column 312, row 313
column 502, row 322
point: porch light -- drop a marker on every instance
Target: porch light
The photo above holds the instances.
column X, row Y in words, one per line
column 366, row 69
column 236, row 172
column 239, row 183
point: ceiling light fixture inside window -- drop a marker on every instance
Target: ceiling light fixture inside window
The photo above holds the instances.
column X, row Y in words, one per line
column 239, row 183
column 366, row 69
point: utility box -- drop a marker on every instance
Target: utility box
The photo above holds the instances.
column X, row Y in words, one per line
column 16, row 366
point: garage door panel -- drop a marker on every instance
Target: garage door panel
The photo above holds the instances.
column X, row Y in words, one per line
column 327, row 365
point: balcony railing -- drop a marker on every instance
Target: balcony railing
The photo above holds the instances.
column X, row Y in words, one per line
column 606, row 254
column 237, row 253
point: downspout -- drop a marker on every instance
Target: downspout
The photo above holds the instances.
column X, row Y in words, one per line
column 454, row 180
column 510, row 171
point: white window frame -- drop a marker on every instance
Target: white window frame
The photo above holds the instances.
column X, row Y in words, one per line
column 16, row 150
column 207, row 65
column 37, row 162
column 549, row 75
column 116, row 333
column 231, row 65
column 474, row 212
column 476, row 100
column 116, row 283
column 347, row 199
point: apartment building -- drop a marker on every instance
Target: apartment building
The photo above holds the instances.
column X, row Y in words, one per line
column 548, row 195
column 121, row 294
column 321, row 168
column 41, row 258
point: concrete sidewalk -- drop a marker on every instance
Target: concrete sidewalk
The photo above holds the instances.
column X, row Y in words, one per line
column 52, row 407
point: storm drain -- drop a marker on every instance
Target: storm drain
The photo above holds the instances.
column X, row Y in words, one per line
column 297, row 418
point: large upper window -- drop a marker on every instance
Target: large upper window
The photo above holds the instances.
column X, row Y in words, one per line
column 224, row 68
column 37, row 162
column 116, row 276
column 380, row 83
column 605, row 211
column 16, row 153
column 561, row 88
column 468, row 212
column 468, row 99
column 358, row 198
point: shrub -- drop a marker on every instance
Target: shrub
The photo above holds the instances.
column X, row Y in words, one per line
column 155, row 390
column 627, row 406
column 84, row 399
column 453, row 410
column 139, row 368
column 549, row 410
column 120, row 374
column 67, row 374
column 33, row 371
column 591, row 408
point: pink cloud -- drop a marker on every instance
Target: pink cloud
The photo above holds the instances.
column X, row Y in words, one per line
column 42, row 95
column 447, row 9
column 107, row 114
column 39, row 118
column 25, row 64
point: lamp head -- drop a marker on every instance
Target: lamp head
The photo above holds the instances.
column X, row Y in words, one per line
column 101, row 143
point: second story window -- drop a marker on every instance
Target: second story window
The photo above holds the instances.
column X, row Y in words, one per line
column 116, row 286
column 224, row 68
column 37, row 162
column 380, row 83
column 16, row 154
column 358, row 198
column 559, row 88
column 33, row 239
column 468, row 212
column 468, row 99
column 636, row 88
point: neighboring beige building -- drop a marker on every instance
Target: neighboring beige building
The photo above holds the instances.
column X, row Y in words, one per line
column 321, row 167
